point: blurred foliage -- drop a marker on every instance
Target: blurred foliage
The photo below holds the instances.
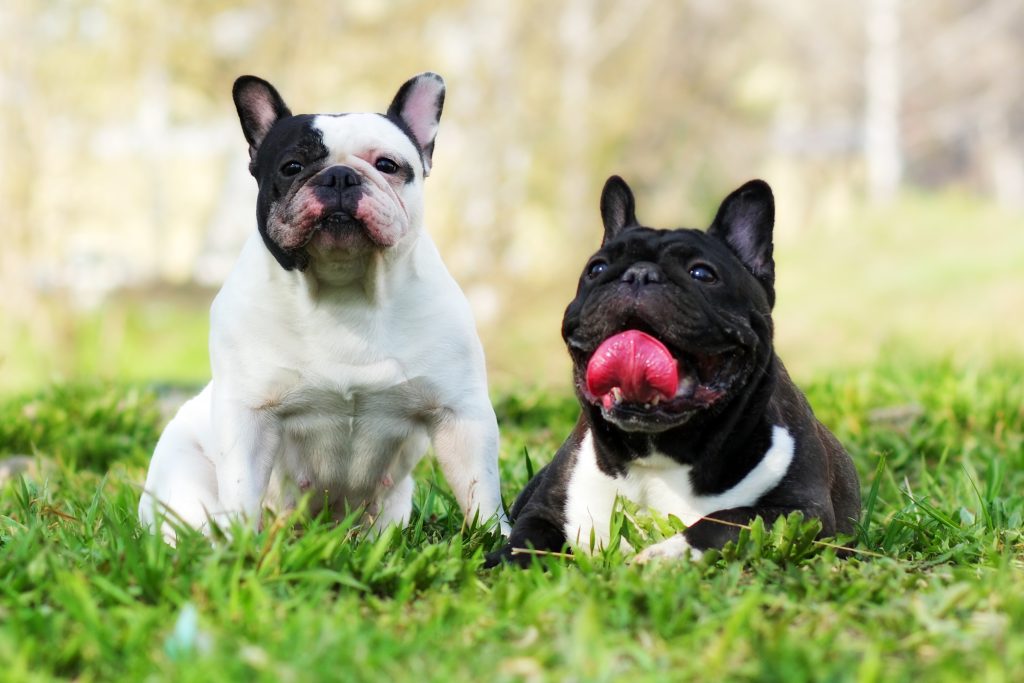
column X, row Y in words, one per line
column 81, row 426
column 123, row 168
column 885, row 282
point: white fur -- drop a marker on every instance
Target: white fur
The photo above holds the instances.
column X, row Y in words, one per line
column 334, row 380
column 660, row 484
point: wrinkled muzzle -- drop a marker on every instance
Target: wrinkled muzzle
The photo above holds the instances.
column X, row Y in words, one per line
column 339, row 207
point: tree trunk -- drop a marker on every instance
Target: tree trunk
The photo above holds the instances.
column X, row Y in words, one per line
column 883, row 156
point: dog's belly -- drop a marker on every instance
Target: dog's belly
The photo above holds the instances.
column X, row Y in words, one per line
column 346, row 450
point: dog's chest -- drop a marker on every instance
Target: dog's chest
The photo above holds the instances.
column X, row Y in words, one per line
column 352, row 420
column 348, row 445
column 660, row 485
column 352, row 383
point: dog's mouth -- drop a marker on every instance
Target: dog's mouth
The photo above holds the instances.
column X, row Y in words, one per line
column 338, row 221
column 341, row 230
column 641, row 384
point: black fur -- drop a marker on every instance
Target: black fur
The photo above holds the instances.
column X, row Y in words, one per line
column 259, row 107
column 726, row 324
column 273, row 133
column 291, row 139
column 618, row 208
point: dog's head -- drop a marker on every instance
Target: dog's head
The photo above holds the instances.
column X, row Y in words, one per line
column 331, row 183
column 668, row 325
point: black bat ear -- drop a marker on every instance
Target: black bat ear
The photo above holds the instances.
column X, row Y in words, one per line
column 417, row 105
column 745, row 221
column 259, row 107
column 618, row 207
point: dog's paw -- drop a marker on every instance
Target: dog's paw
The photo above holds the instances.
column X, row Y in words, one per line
column 669, row 549
column 504, row 527
column 513, row 556
column 507, row 556
column 492, row 560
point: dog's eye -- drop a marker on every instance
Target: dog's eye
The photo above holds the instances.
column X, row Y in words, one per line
column 702, row 272
column 596, row 268
column 291, row 168
column 385, row 165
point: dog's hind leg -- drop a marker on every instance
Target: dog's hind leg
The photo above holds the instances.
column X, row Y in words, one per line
column 181, row 486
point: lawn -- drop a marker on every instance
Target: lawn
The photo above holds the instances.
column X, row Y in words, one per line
column 935, row 592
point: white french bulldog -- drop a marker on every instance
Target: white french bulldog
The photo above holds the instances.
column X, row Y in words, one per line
column 340, row 345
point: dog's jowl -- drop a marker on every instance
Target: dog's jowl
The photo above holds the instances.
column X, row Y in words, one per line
column 685, row 408
column 340, row 345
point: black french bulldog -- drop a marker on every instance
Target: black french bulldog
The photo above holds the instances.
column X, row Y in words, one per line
column 686, row 409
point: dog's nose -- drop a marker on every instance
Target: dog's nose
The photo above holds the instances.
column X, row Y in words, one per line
column 642, row 273
column 338, row 177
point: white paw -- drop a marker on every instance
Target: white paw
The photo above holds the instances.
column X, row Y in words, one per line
column 503, row 524
column 669, row 549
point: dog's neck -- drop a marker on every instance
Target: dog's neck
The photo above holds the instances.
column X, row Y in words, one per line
column 707, row 442
column 371, row 276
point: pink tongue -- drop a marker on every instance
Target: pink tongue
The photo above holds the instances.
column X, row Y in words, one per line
column 637, row 364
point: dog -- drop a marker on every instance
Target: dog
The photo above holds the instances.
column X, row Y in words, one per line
column 685, row 407
column 340, row 346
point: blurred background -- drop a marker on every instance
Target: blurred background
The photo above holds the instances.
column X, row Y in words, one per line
column 892, row 133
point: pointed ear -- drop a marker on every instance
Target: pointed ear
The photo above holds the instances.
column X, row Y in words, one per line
column 618, row 208
column 417, row 107
column 744, row 222
column 259, row 108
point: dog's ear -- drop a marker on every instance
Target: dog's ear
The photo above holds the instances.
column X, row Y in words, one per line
column 618, row 208
column 744, row 222
column 417, row 108
column 259, row 108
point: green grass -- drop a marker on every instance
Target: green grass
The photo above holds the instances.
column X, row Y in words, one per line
column 86, row 595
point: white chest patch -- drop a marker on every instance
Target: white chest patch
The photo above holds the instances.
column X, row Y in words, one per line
column 660, row 484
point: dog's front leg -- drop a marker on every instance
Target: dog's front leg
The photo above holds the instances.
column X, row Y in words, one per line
column 249, row 442
column 723, row 526
column 466, row 444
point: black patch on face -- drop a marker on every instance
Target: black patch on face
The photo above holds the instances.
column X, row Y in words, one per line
column 292, row 139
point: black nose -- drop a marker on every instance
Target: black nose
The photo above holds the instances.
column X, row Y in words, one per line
column 642, row 273
column 339, row 177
